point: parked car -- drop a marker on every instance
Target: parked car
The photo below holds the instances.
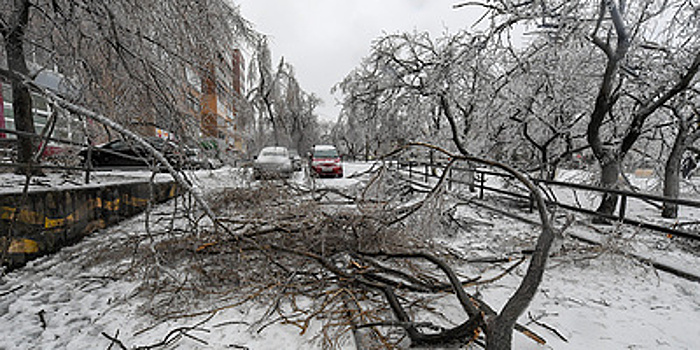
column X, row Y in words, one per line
column 272, row 162
column 296, row 159
column 128, row 153
column 325, row 161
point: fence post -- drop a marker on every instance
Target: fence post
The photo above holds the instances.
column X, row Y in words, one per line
column 410, row 169
column 449, row 179
column 481, row 185
column 427, row 170
column 471, row 177
column 88, row 164
column 623, row 206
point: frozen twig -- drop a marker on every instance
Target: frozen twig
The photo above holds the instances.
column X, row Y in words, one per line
column 11, row 291
column 114, row 340
column 548, row 327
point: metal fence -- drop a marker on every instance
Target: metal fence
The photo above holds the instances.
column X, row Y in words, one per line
column 44, row 160
column 425, row 170
column 56, row 154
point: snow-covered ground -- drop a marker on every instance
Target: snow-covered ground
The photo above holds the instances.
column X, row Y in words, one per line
column 594, row 297
column 9, row 182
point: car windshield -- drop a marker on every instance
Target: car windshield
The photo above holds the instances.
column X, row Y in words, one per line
column 326, row 153
column 159, row 143
column 119, row 146
column 273, row 153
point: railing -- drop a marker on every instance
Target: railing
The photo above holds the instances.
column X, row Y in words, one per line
column 426, row 170
column 9, row 148
column 70, row 149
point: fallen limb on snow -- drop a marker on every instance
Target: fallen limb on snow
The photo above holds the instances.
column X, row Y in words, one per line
column 196, row 192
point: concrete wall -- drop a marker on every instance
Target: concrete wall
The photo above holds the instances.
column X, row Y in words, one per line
column 42, row 222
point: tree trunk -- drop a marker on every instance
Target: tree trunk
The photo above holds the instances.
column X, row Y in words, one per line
column 499, row 335
column 610, row 173
column 550, row 167
column 672, row 173
column 671, row 186
column 21, row 97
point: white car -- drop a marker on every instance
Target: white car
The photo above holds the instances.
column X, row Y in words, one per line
column 272, row 162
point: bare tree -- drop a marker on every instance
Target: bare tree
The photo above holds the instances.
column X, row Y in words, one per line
column 621, row 31
column 297, row 116
column 13, row 28
column 130, row 61
column 686, row 116
column 409, row 81
column 281, row 107
column 458, row 78
column 547, row 97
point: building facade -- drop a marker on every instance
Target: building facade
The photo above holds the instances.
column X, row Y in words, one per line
column 220, row 93
column 67, row 128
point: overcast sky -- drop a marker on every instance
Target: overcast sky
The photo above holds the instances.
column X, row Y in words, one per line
column 325, row 39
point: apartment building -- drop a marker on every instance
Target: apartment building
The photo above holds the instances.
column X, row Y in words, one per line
column 67, row 128
column 219, row 93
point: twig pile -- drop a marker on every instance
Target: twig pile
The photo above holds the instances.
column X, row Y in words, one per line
column 365, row 267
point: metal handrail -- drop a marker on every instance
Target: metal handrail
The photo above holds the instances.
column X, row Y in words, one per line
column 680, row 201
column 37, row 136
column 625, row 194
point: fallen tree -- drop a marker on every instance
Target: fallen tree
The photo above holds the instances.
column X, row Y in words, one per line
column 366, row 266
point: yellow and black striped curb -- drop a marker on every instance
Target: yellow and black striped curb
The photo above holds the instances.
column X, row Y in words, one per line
column 42, row 222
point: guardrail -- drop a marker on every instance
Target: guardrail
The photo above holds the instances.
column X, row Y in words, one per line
column 10, row 144
column 427, row 170
column 65, row 155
